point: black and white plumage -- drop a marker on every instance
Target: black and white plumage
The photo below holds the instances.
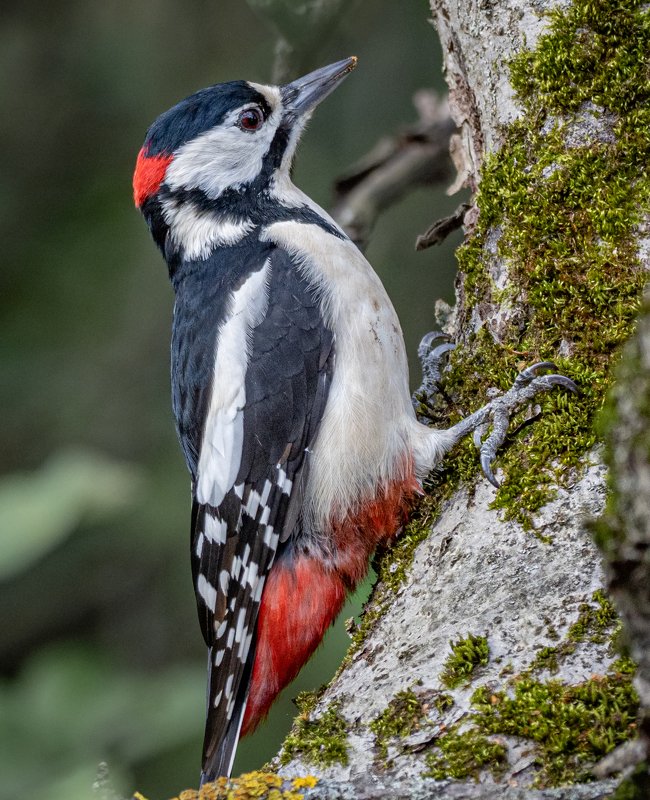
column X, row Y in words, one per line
column 251, row 452
column 290, row 389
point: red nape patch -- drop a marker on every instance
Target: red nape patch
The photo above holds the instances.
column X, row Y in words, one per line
column 299, row 603
column 149, row 174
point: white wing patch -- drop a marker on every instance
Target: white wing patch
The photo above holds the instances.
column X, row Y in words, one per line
column 207, row 592
column 223, row 433
column 216, row 530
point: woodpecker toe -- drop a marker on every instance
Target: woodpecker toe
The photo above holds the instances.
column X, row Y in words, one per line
column 486, row 466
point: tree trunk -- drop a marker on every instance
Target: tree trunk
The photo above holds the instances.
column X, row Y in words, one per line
column 487, row 662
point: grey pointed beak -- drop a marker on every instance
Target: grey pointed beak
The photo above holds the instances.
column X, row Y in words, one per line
column 304, row 94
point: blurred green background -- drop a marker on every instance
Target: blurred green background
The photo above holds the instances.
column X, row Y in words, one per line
column 101, row 658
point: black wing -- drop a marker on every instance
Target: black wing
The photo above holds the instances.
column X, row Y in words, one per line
column 234, row 543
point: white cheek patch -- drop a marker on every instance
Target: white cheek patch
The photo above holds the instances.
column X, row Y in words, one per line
column 224, row 157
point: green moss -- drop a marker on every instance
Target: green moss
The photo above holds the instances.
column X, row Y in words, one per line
column 399, row 719
column 442, row 702
column 571, row 726
column 321, row 741
column 597, row 622
column 561, row 214
column 463, row 755
column 548, row 658
column 466, row 655
column 405, row 713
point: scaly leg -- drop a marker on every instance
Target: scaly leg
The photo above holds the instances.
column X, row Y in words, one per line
column 432, row 361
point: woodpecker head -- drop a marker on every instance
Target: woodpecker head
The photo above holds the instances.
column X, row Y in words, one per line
column 232, row 137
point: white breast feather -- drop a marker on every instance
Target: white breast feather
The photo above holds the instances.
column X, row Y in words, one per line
column 366, row 435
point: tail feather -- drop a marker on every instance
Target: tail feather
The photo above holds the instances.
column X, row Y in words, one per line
column 218, row 761
column 220, row 746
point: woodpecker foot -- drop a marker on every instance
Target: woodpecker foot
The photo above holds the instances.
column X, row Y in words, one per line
column 432, row 351
column 496, row 414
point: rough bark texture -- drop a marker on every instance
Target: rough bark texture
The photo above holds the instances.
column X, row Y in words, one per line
column 478, row 38
column 486, row 596
column 475, row 574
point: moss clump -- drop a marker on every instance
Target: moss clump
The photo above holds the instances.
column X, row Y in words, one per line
column 322, row 741
column 406, row 713
column 441, row 702
column 559, row 210
column 399, row 719
column 464, row 755
column 572, row 726
column 548, row 657
column 597, row 622
column 466, row 655
column 249, row 786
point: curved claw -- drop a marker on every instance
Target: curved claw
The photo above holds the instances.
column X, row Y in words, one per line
column 528, row 374
column 479, row 432
column 427, row 341
column 431, row 359
column 562, row 380
column 440, row 350
column 430, row 337
column 486, row 466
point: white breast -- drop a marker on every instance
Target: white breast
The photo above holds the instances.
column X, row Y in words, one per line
column 364, row 438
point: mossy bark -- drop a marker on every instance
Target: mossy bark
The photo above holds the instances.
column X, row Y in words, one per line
column 551, row 100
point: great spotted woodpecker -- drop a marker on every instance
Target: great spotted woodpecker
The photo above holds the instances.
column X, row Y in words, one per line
column 290, row 390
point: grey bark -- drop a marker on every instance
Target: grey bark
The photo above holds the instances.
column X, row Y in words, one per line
column 395, row 789
column 476, row 573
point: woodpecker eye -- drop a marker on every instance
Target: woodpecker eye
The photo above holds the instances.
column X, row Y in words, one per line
column 251, row 119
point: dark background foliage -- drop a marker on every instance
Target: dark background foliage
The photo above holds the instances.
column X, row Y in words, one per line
column 100, row 654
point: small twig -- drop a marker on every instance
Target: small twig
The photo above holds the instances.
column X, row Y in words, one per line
column 441, row 229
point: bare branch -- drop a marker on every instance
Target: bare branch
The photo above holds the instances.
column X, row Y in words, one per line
column 417, row 156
